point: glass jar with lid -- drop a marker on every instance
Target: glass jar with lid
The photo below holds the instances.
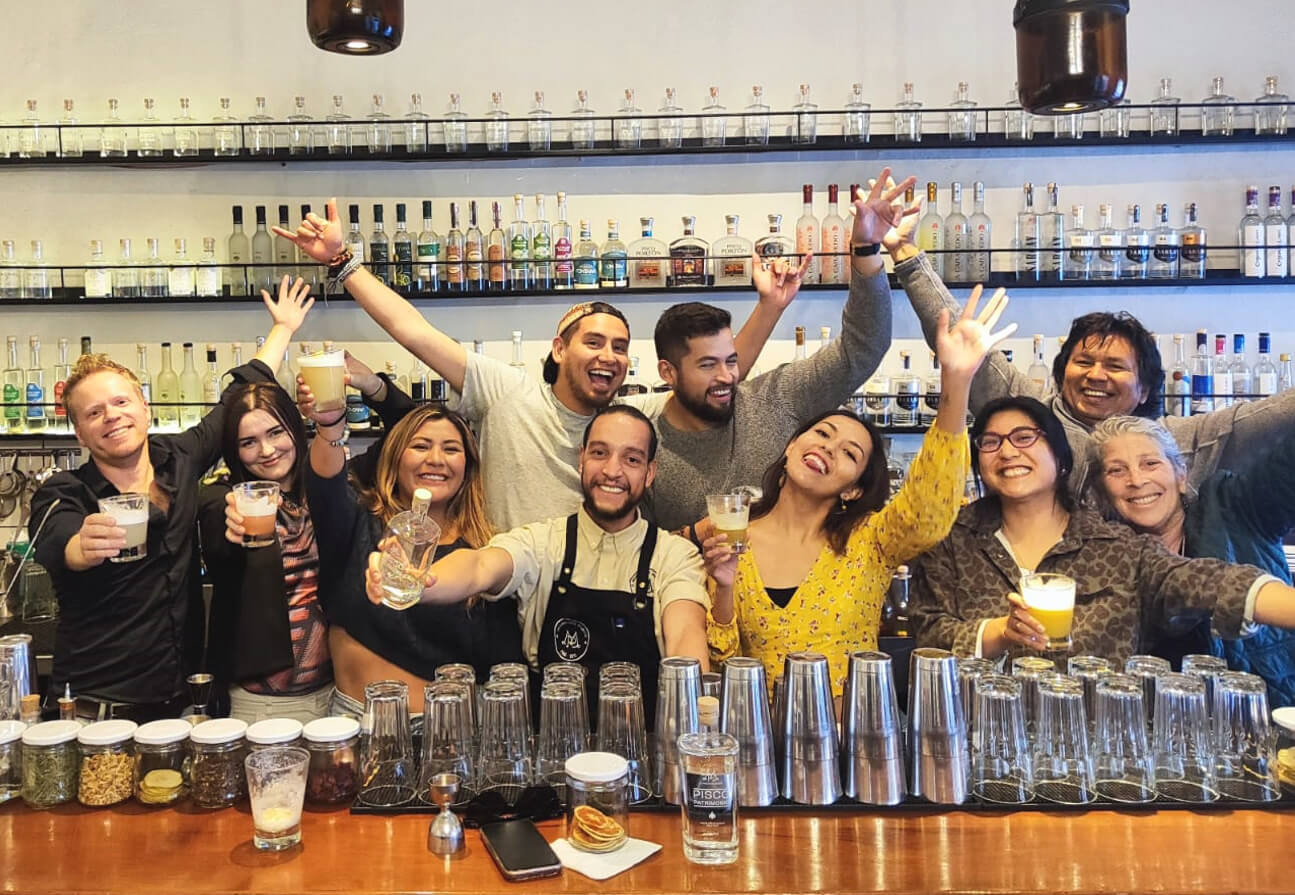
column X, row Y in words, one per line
column 597, row 801
column 10, row 759
column 334, row 747
column 162, row 761
column 107, row 773
column 273, row 732
column 49, row 763
column 217, row 777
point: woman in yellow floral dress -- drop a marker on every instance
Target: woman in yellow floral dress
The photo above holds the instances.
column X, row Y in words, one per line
column 823, row 542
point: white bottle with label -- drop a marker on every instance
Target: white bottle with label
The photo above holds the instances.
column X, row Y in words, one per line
column 98, row 279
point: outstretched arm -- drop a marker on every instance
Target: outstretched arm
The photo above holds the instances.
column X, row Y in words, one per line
column 777, row 287
column 455, row 577
column 288, row 313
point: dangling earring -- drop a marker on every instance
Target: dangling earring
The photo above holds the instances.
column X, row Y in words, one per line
column 843, row 506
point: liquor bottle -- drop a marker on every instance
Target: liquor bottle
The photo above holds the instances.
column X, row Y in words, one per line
column 1276, row 253
column 1027, row 262
column 208, row 274
column 402, row 246
column 1178, row 384
column 225, row 140
column 211, row 380
column 141, row 371
column 427, row 274
column 688, row 253
column 1137, row 246
column 1110, row 247
column 400, row 379
column 168, row 392
column 541, row 247
column 807, row 235
column 377, row 136
column 86, row 348
column 1222, row 373
column 1264, row 380
column 455, row 124
column 31, row 139
column 125, row 279
column 180, row 277
column 35, row 382
column 856, row 116
column 539, row 125
column 877, row 401
column 455, row 276
column 1217, row 111
column 806, row 126
column 1079, row 247
column 301, row 129
column 186, row 140
column 285, row 251
column 190, row 390
column 70, row 136
column 714, row 122
column 931, row 402
column 583, row 123
column 307, row 267
column 337, row 129
column 113, row 138
column 1052, row 226
column 260, row 134
column 497, row 275
column 286, row 375
column 800, row 350
column 628, row 124
column 1290, row 229
column 418, row 381
column 519, row 245
column 150, row 134
column 235, row 275
column 908, row 118
column 824, row 337
column 153, row 278
column 1164, row 111
column 10, row 275
column 1165, row 247
column 755, row 118
column 834, row 243
column 474, row 251
column 586, row 258
column 669, row 125
column 979, row 237
column 1018, row 124
column 612, row 273
column 236, row 360
column 563, row 269
column 15, row 390
column 962, row 116
column 1251, row 237
column 379, row 248
column 732, row 255
column 98, row 279
column 647, row 259
column 957, row 238
column 36, row 283
column 1285, row 374
column 519, row 361
column 1038, row 373
column 496, row 125
column 908, row 394
column 774, row 244
column 262, row 272
column 1243, row 387
column 1270, row 109
column 1202, row 376
column 930, row 230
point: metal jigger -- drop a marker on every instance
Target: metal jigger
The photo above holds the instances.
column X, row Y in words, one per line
column 200, row 691
column 445, row 834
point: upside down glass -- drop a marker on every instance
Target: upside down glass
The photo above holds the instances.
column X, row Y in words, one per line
column 621, row 730
column 1063, row 770
column 447, row 737
column 1122, row 761
column 1245, row 757
column 1184, row 752
column 1001, row 766
column 411, row 540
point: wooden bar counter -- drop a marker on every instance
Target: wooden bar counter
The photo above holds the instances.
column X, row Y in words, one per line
column 130, row 850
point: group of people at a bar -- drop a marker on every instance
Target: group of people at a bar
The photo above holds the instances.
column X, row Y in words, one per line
column 574, row 521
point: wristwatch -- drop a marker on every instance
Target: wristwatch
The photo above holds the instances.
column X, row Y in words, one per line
column 865, row 251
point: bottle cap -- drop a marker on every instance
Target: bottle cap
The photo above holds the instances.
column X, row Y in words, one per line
column 708, row 711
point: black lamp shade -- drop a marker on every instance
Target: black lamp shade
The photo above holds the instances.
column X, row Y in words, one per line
column 1071, row 55
column 356, row 27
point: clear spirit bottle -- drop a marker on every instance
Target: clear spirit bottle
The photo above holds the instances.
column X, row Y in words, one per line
column 957, row 238
column 612, row 260
column 418, row 381
column 474, row 251
column 908, row 117
column 1018, row 124
column 877, row 399
column 379, row 247
column 36, row 283
column 1038, row 373
column 519, row 359
column 806, row 121
column 824, row 337
column 801, row 352
column 1079, row 247
column 354, row 238
column 834, row 244
column 113, row 138
column 732, row 255
column 36, row 393
column 1114, row 122
column 151, row 135
column 1217, row 111
column 980, row 237
column 58, row 383
column 539, row 125
column 208, row 277
column 186, row 144
column 931, row 400
column 1222, row 373
column 1052, row 227
column 455, row 276
column 908, row 394
column 541, row 247
column 402, row 247
column 688, row 254
column 629, row 123
column 98, row 279
column 647, row 259
column 1068, row 127
column 930, row 230
column 1285, row 373
column 1251, row 237
column 1270, row 109
column 126, row 279
column 496, row 124
column 239, row 251
column 190, row 390
column 1265, row 374
column 1165, row 247
column 153, row 280
column 455, row 124
column 563, row 266
column 427, row 273
column 774, row 244
column 807, row 235
column 670, row 123
column 962, row 116
column 224, row 135
column 260, row 135
column 1194, row 241
column 519, row 245
column 337, row 129
column 15, row 390
column 378, row 132
column 586, row 259
column 497, row 253
column 856, row 117
column 1242, row 381
column 180, row 277
column 755, row 119
column 1276, row 250
column 31, row 139
column 211, row 380
column 1137, row 246
column 285, row 251
column 71, row 135
column 714, row 122
column 301, row 129
column 307, row 267
column 10, row 275
column 416, row 128
column 1164, row 111
column 1178, row 382
column 167, row 393
column 262, row 256
column 1110, row 247
column 583, row 123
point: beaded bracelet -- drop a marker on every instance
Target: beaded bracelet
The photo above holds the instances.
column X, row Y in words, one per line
column 335, row 280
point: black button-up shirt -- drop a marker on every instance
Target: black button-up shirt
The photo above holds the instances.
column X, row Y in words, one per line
column 131, row 632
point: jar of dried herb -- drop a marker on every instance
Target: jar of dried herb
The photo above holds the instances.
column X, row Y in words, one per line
column 11, row 759
column 49, row 763
column 216, row 775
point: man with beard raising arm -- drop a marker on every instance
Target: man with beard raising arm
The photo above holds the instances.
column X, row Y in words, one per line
column 601, row 585
column 717, row 432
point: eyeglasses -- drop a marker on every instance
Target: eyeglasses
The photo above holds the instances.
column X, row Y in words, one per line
column 536, row 802
column 1020, row 437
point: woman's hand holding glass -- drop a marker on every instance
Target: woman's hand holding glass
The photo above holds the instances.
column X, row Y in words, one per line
column 1022, row 628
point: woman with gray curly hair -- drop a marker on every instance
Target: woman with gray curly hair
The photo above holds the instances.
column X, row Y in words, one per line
column 1238, row 517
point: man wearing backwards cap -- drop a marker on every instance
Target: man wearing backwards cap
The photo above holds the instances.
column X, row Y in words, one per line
column 530, row 431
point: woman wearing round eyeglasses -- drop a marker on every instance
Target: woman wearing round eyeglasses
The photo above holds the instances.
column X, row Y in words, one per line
column 1127, row 585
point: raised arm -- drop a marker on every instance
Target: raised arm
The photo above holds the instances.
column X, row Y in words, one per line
column 288, row 313
column 455, row 577
column 776, row 287
column 1233, row 437
column 323, row 240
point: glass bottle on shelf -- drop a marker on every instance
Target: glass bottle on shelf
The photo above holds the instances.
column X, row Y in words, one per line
column 519, row 245
column 1110, row 247
column 732, row 255
column 125, row 279
column 180, row 276
column 71, row 136
column 167, row 394
column 190, row 390
column 877, row 400
column 807, row 235
column 931, row 399
column 539, row 125
column 1285, row 373
column 1137, row 246
column 301, row 129
column 1276, row 253
column 584, row 126
column 1164, row 111
column 647, row 259
column 962, row 115
column 856, row 118
column 337, row 129
column 688, row 265
column 455, row 124
column 379, row 247
column 10, row 275
column 1270, row 109
column 834, row 244
column 35, row 384
column 262, row 272
column 58, row 383
column 563, row 267
column 1194, row 242
column 1052, row 226
column 36, row 283
column 1068, row 127
column 585, row 255
column 98, row 278
column 541, row 247
column 805, row 128
column 1114, row 122
column 612, row 259
column 208, row 277
column 1243, row 389
column 427, row 273
column 1164, row 247
column 31, row 139
column 908, row 117
column 224, row 135
column 285, row 252
column 455, row 276
column 1217, row 111
column 774, row 243
column 260, row 135
column 474, row 251
column 629, row 123
column 150, row 134
column 930, row 230
column 979, row 237
column 908, row 394
column 1222, row 373
column 1265, row 373
column 377, row 134
column 957, row 238
column 402, row 251
column 670, row 124
column 153, row 281
column 416, row 135
column 211, row 380
column 1077, row 264
column 1178, row 382
column 1038, row 373
column 239, row 251
column 354, row 238
column 15, row 387
column 141, row 371
column 113, row 138
column 496, row 253
column 186, row 132
column 755, row 119
column 714, row 123
column 1018, row 124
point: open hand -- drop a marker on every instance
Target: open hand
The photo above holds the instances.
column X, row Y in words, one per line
column 319, row 238
column 293, row 304
column 882, row 209
column 963, row 348
column 777, row 279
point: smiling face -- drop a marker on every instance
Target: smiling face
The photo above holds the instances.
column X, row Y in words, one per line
column 1141, row 484
column 1015, row 473
column 435, row 459
column 1101, row 379
column 265, row 447
column 706, row 379
column 593, row 362
column 828, row 459
column 109, row 415
column 615, row 470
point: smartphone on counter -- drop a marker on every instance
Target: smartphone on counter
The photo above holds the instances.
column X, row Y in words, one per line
column 519, row 850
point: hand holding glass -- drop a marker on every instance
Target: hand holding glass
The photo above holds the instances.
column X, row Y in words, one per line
column 410, row 547
column 730, row 513
column 257, row 503
column 325, row 376
column 130, row 512
column 1051, row 600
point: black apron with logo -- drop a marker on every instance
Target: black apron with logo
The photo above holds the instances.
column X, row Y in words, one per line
column 592, row 626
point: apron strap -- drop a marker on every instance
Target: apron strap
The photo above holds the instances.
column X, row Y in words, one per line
column 642, row 576
column 569, row 556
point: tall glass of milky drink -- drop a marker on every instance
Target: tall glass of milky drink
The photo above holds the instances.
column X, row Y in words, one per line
column 730, row 513
column 1051, row 600
column 325, row 375
column 258, row 504
column 130, row 512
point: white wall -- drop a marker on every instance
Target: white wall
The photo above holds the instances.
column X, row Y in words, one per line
column 90, row 50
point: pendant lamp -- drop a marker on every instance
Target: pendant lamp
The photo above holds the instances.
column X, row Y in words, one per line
column 356, row 27
column 1071, row 55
